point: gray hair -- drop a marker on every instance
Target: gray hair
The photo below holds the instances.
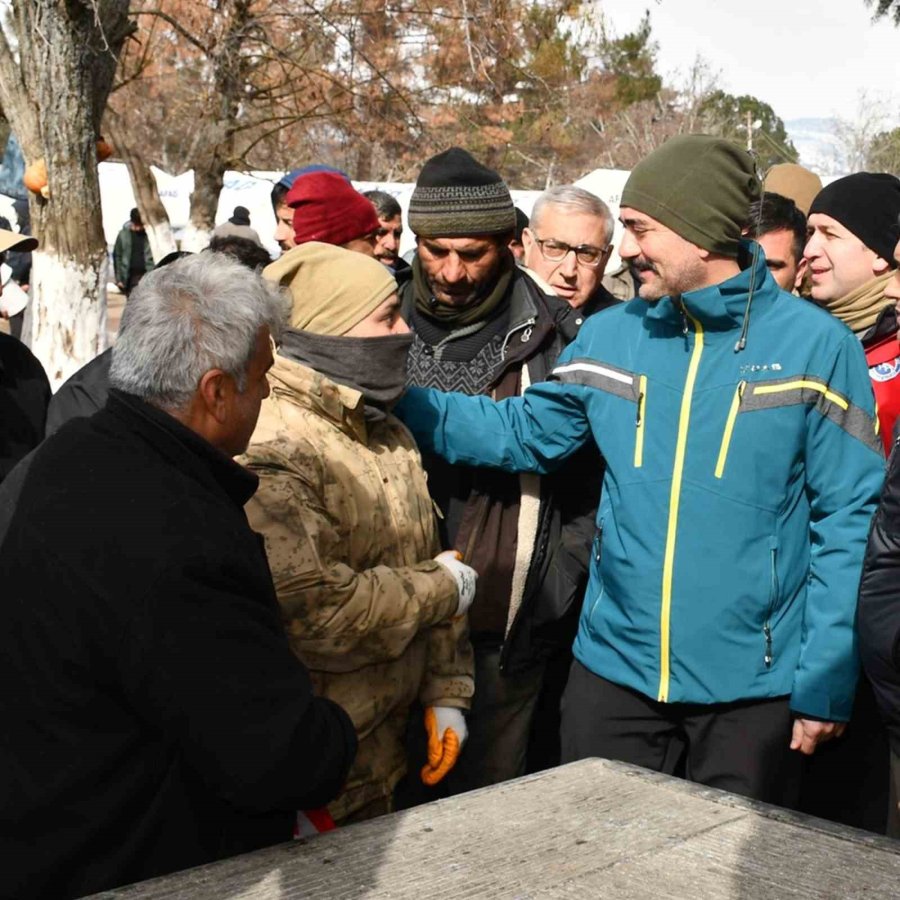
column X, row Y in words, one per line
column 386, row 205
column 199, row 313
column 577, row 199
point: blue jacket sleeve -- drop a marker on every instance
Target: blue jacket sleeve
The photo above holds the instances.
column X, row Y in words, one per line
column 531, row 433
column 844, row 472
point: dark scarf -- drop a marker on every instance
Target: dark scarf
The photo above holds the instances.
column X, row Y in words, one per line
column 477, row 311
column 374, row 366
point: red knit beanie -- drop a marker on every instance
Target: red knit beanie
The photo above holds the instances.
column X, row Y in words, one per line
column 328, row 209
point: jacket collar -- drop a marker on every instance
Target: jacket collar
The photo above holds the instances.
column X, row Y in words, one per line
column 885, row 326
column 721, row 307
column 190, row 452
column 341, row 405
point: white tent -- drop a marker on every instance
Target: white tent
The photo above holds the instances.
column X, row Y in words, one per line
column 252, row 190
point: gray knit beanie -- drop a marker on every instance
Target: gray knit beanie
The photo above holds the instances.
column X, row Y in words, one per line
column 457, row 196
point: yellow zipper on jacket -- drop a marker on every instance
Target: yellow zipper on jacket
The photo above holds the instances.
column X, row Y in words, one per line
column 729, row 427
column 639, row 424
column 684, row 421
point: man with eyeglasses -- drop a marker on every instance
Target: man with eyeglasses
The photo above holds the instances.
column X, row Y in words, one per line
column 567, row 245
column 481, row 325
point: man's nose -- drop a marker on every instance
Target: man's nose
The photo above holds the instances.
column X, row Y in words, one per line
column 892, row 289
column 628, row 249
column 569, row 264
column 453, row 270
column 811, row 250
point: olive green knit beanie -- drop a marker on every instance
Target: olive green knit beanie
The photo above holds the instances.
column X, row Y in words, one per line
column 699, row 186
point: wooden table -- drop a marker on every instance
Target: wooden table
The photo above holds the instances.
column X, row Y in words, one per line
column 587, row 830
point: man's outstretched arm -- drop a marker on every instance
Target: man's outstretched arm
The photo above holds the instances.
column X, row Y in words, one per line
column 531, row 433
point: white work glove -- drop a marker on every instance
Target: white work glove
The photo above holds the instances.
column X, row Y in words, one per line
column 447, row 733
column 465, row 576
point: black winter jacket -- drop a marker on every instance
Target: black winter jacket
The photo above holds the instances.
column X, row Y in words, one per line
column 878, row 611
column 154, row 716
column 82, row 394
column 24, row 395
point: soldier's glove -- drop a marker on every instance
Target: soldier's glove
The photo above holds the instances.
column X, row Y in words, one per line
column 447, row 733
column 465, row 576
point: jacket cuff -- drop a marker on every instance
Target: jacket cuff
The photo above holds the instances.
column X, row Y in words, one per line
column 811, row 704
column 448, row 690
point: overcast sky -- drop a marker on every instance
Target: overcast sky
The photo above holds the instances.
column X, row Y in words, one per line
column 806, row 58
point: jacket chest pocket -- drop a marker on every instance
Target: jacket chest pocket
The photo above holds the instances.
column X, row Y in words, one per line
column 798, row 391
column 640, row 422
column 730, row 421
column 630, row 386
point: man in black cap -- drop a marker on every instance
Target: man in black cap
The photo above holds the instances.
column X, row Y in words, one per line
column 238, row 226
column 132, row 258
column 853, row 227
column 482, row 326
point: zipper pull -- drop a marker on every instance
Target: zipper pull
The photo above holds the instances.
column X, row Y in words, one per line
column 684, row 321
column 767, row 631
column 640, row 403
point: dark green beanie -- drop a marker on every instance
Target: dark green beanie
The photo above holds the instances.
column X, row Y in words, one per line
column 699, row 186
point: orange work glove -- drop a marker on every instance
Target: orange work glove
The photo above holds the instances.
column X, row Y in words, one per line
column 447, row 734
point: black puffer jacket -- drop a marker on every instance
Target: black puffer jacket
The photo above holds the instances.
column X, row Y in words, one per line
column 878, row 613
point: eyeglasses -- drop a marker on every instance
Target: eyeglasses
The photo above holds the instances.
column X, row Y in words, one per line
column 586, row 255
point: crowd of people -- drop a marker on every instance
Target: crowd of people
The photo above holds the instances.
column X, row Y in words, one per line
column 333, row 535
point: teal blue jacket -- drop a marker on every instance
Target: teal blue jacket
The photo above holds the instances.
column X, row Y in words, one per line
column 737, row 497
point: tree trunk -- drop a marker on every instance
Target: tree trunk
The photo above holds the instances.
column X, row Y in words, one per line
column 54, row 95
column 208, row 182
column 229, row 68
column 146, row 194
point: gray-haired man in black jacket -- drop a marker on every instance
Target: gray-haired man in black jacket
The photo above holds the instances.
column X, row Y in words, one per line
column 154, row 716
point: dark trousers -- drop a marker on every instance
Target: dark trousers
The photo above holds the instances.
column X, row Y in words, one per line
column 740, row 747
column 847, row 780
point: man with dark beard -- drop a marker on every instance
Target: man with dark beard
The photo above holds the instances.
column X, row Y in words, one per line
column 482, row 326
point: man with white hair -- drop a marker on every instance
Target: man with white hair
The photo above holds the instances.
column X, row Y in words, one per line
column 159, row 719
column 567, row 245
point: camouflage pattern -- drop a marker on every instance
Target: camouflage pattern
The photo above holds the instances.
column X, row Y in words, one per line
column 350, row 535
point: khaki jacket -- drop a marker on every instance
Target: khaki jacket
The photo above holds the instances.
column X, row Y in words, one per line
column 350, row 536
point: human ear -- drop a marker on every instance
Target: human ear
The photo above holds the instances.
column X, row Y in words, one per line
column 880, row 266
column 215, row 389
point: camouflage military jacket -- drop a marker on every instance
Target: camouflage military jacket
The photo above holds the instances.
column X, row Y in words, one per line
column 350, row 535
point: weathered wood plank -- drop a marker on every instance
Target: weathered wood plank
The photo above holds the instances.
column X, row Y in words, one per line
column 590, row 829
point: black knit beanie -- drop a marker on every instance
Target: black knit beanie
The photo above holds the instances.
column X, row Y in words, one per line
column 240, row 216
column 457, row 196
column 868, row 205
column 699, row 186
